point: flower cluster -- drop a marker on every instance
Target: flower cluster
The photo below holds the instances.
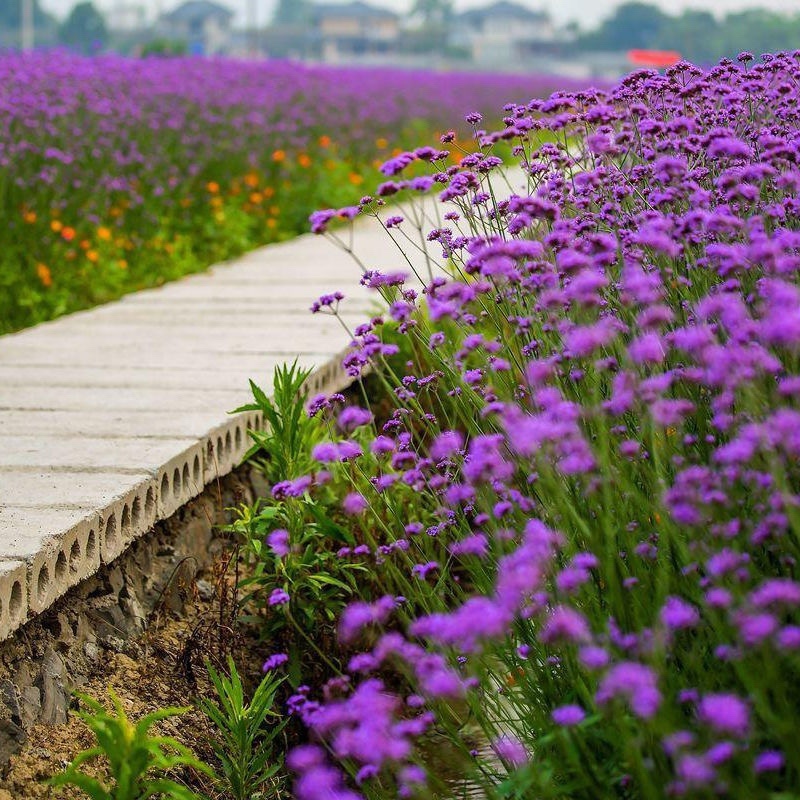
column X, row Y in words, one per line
column 586, row 490
column 121, row 173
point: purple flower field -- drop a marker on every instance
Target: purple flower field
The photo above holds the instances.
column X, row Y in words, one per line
column 578, row 519
column 120, row 173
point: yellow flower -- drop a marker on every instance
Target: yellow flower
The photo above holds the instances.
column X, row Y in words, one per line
column 56, row 225
column 381, row 143
column 45, row 276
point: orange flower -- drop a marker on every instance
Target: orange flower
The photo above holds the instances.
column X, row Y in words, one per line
column 44, row 274
column 216, row 202
column 268, row 192
column 381, row 143
column 85, row 244
column 304, row 160
column 68, row 234
column 256, row 197
column 251, row 180
column 274, row 210
column 324, row 141
column 56, row 226
column 29, row 217
column 272, row 223
column 92, row 256
column 213, row 187
column 103, row 234
column 122, row 264
column 279, row 155
column 355, row 179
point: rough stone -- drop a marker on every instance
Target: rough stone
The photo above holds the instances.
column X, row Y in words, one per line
column 57, row 650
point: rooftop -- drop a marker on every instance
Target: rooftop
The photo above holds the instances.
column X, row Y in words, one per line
column 194, row 10
column 503, row 9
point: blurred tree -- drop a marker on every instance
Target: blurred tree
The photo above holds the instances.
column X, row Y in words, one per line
column 84, row 29
column 163, row 47
column 433, row 12
column 11, row 14
column 633, row 24
column 697, row 35
column 292, row 12
column 692, row 34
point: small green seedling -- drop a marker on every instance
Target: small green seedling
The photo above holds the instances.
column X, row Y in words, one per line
column 137, row 760
column 245, row 733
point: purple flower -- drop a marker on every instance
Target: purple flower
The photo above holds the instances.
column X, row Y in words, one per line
column 510, row 750
column 677, row 614
column 278, row 597
column 353, row 417
column 768, row 761
column 564, row 624
column 274, row 661
column 446, row 444
column 354, row 504
column 423, row 570
column 358, row 615
column 278, row 542
column 634, row 682
column 568, row 715
column 725, row 713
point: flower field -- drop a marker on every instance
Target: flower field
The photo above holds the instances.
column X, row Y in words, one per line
column 573, row 490
column 547, row 546
column 118, row 174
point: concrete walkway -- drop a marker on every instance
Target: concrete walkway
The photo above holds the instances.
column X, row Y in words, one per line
column 111, row 419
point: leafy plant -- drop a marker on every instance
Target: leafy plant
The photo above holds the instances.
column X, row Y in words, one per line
column 246, row 731
column 137, row 760
column 306, row 568
column 283, row 448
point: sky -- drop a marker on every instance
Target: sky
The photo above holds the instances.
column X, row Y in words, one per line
column 586, row 12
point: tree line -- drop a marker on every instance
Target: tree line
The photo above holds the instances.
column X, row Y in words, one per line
column 698, row 35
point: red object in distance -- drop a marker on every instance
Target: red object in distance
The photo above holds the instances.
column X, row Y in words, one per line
column 654, row 58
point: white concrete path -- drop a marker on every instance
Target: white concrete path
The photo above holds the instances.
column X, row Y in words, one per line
column 111, row 419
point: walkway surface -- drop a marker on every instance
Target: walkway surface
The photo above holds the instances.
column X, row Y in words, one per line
column 111, row 419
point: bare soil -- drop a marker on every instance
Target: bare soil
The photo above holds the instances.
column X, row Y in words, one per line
column 162, row 667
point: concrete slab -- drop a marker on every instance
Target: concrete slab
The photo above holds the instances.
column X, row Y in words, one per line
column 113, row 418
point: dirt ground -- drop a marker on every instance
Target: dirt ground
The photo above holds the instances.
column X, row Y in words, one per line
column 162, row 667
